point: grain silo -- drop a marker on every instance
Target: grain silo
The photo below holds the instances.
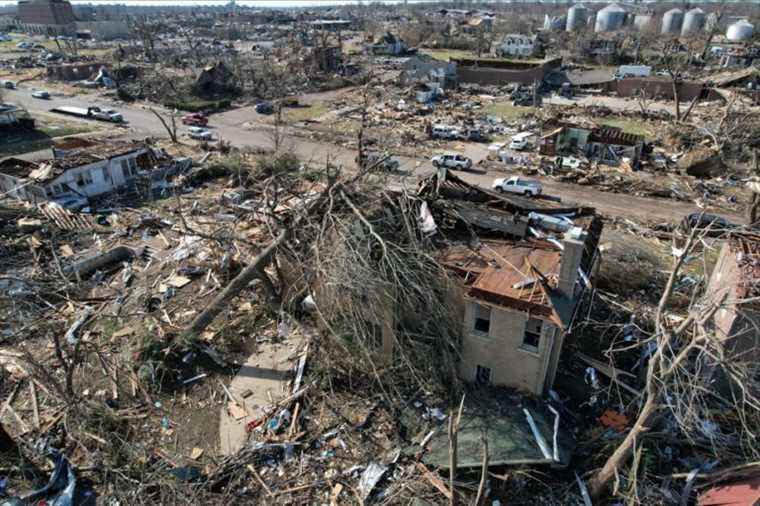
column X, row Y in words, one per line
column 642, row 21
column 672, row 21
column 610, row 18
column 741, row 30
column 693, row 21
column 576, row 17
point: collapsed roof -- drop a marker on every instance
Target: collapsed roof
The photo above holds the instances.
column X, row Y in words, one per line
column 506, row 249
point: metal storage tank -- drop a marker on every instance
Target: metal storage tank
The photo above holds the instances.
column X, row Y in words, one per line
column 576, row 17
column 693, row 21
column 672, row 21
column 610, row 18
column 741, row 30
column 642, row 21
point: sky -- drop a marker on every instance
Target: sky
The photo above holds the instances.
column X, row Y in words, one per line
column 251, row 3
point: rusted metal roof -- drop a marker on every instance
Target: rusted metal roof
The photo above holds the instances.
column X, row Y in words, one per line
column 499, row 272
column 740, row 493
column 613, row 135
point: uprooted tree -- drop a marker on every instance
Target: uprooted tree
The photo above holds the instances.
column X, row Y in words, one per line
column 684, row 371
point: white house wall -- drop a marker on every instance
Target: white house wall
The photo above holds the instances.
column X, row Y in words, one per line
column 100, row 183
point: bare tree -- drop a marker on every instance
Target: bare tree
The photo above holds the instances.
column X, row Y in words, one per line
column 726, row 129
column 171, row 130
column 675, row 62
column 147, row 33
column 681, row 376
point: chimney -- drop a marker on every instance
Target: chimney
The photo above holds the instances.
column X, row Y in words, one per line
column 572, row 252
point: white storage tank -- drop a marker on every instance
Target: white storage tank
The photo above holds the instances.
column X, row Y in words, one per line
column 672, row 21
column 610, row 18
column 642, row 21
column 693, row 21
column 576, row 17
column 741, row 30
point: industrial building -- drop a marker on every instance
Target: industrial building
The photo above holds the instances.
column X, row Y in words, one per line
column 46, row 17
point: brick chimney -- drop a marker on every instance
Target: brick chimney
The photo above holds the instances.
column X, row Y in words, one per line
column 573, row 245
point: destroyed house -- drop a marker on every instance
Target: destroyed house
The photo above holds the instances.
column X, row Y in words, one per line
column 606, row 144
column 735, row 286
column 8, row 114
column 84, row 172
column 520, row 282
column 422, row 68
column 389, row 44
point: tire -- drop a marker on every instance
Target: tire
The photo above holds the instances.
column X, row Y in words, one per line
column 528, row 194
column 500, row 189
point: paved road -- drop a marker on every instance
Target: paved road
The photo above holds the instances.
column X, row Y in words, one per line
column 229, row 126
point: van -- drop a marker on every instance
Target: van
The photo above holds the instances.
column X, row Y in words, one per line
column 632, row 71
column 520, row 141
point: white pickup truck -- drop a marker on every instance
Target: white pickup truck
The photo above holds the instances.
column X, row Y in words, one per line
column 518, row 185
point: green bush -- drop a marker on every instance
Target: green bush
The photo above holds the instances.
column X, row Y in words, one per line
column 200, row 105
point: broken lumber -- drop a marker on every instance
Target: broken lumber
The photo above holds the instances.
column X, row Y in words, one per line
column 609, row 371
column 242, row 280
column 434, row 480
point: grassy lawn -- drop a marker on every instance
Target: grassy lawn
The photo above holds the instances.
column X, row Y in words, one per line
column 48, row 128
column 296, row 114
column 630, row 126
column 508, row 111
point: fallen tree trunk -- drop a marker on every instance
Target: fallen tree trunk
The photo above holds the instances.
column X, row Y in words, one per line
column 89, row 265
column 252, row 271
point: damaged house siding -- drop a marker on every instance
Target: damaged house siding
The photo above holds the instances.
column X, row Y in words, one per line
column 737, row 322
column 97, row 178
column 504, row 351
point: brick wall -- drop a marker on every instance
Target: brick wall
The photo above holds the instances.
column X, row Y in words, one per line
column 52, row 12
column 484, row 74
column 658, row 88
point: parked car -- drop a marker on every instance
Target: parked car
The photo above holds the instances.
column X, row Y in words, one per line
column 388, row 163
column 452, row 161
column 477, row 135
column 199, row 133
column 44, row 95
column 10, row 85
column 195, row 119
column 704, row 222
column 106, row 114
column 445, row 132
column 264, row 108
column 518, row 185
